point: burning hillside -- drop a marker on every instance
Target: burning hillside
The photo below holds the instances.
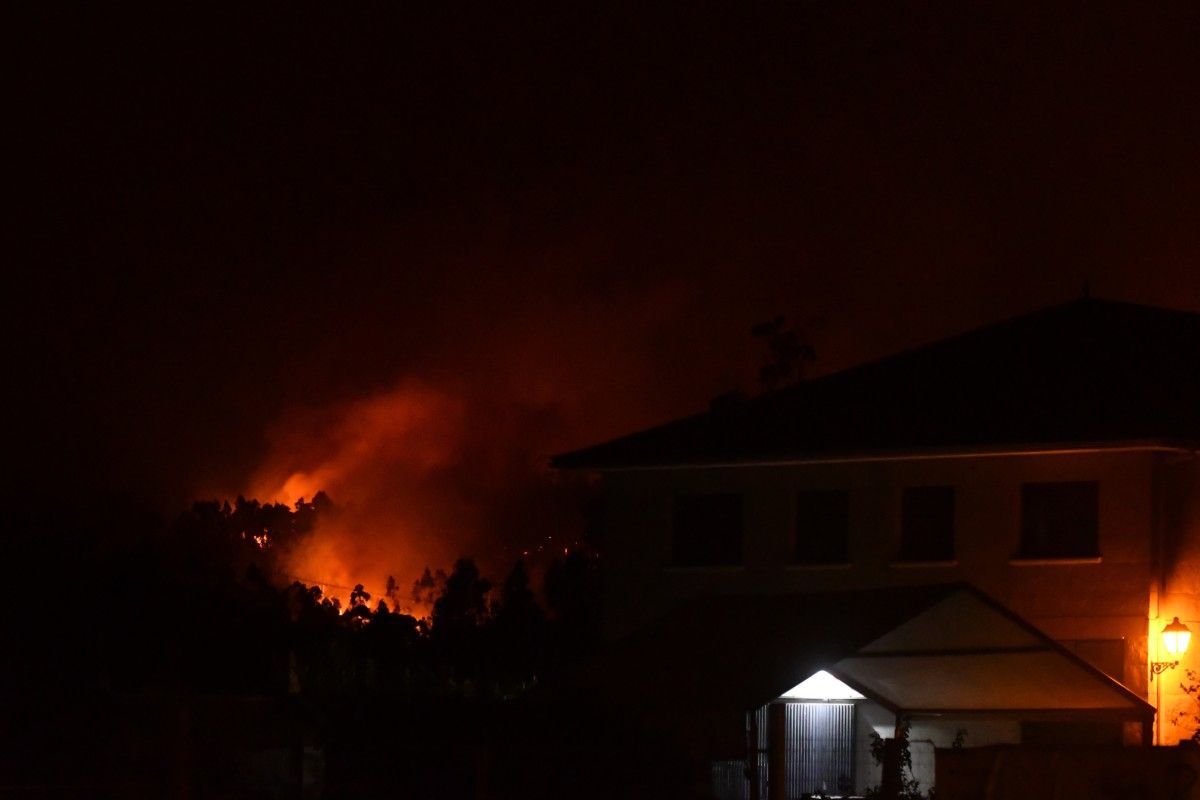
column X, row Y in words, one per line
column 421, row 476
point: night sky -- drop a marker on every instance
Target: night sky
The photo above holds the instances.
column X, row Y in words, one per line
column 407, row 252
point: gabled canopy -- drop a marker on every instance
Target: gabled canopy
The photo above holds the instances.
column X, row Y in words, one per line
column 968, row 654
column 921, row 650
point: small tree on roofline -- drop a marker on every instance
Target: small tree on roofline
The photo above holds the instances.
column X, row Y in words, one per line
column 788, row 352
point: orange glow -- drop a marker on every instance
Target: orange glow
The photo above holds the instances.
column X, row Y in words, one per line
column 1176, row 637
column 413, row 425
column 261, row 540
column 336, row 559
column 454, row 463
column 380, row 458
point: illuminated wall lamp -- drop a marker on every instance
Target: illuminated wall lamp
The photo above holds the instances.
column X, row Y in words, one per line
column 1176, row 637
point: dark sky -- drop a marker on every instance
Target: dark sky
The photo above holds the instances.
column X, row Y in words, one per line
column 239, row 231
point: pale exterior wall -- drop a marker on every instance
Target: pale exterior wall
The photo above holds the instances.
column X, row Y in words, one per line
column 870, row 717
column 1069, row 601
column 1180, row 482
column 923, row 736
column 926, row 735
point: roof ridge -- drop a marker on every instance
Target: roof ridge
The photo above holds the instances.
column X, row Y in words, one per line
column 1039, row 376
column 979, row 330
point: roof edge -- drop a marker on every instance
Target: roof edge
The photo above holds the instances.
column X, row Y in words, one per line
column 595, row 458
column 1138, row 701
column 566, row 462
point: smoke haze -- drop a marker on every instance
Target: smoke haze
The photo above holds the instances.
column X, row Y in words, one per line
column 405, row 257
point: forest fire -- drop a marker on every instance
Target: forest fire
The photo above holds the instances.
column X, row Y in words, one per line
column 421, row 474
column 379, row 457
column 304, row 306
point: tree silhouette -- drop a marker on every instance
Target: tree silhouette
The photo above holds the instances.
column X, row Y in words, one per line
column 463, row 602
column 518, row 631
column 428, row 587
column 459, row 614
column 788, row 353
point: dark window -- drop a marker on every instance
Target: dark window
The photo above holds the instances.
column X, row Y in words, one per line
column 927, row 523
column 708, row 530
column 1060, row 520
column 822, row 523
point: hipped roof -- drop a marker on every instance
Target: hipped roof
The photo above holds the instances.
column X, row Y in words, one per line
column 941, row 650
column 1083, row 374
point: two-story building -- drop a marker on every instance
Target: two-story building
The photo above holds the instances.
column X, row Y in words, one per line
column 1049, row 460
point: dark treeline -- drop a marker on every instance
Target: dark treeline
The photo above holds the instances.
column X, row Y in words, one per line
column 200, row 604
column 481, row 639
column 134, row 644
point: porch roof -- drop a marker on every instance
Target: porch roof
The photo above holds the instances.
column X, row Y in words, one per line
column 934, row 650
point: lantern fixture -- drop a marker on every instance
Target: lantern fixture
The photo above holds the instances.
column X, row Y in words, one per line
column 1175, row 638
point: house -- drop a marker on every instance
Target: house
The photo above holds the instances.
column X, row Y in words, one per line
column 1048, row 462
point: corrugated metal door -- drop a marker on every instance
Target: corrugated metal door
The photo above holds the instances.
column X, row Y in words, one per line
column 819, row 753
column 820, row 748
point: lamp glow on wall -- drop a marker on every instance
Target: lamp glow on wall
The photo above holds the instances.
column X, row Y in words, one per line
column 1175, row 638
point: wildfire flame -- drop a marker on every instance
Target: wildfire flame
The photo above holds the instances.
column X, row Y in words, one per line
column 455, row 463
column 379, row 457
